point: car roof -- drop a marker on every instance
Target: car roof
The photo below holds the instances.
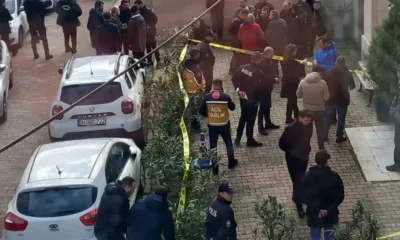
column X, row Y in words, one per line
column 74, row 159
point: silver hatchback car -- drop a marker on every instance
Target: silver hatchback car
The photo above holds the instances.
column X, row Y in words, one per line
column 6, row 77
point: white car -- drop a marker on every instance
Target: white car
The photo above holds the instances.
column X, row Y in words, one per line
column 61, row 188
column 113, row 111
column 19, row 24
column 6, row 77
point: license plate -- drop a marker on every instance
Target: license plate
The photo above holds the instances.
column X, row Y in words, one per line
column 91, row 122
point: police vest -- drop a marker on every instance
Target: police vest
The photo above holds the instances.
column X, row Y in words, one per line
column 217, row 109
column 192, row 83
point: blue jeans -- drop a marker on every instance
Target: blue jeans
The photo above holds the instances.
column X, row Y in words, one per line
column 225, row 132
column 316, row 233
column 330, row 111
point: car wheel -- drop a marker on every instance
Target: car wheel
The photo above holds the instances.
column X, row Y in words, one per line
column 142, row 184
column 20, row 37
column 3, row 118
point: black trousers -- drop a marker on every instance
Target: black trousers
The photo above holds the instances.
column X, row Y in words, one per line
column 296, row 167
column 397, row 144
column 70, row 32
column 125, row 43
column 275, row 66
column 264, row 113
column 37, row 29
column 291, row 107
column 6, row 39
column 150, row 45
column 225, row 132
column 208, row 74
column 217, row 24
column 138, row 55
column 247, row 118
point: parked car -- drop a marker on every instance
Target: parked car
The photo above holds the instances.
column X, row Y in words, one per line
column 61, row 188
column 6, row 76
column 113, row 111
column 19, row 24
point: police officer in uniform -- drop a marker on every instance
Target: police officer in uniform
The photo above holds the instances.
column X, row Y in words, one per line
column 246, row 81
column 220, row 222
column 207, row 58
column 215, row 107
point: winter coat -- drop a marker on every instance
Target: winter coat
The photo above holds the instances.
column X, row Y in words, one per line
column 327, row 57
column 251, row 9
column 276, row 35
column 207, row 58
column 112, row 212
column 268, row 80
column 217, row 13
column 258, row 7
column 116, row 21
column 250, row 35
column 263, row 22
column 234, row 32
column 314, row 91
column 137, row 33
column 150, row 218
column 395, row 107
column 321, row 23
column 108, row 38
column 5, row 18
column 34, row 10
column 95, row 19
column 198, row 32
column 124, row 15
column 291, row 74
column 323, row 190
column 295, row 141
column 151, row 20
column 297, row 37
column 68, row 12
column 339, row 81
column 287, row 15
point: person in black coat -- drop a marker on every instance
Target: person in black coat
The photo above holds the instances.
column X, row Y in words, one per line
column 291, row 71
column 323, row 192
column 296, row 34
column 207, row 59
column 114, row 209
column 151, row 217
column 198, row 29
column 307, row 7
column 95, row 19
column 234, row 32
column 217, row 17
column 125, row 15
column 287, row 12
column 276, row 36
column 69, row 12
column 263, row 18
column 35, row 13
column 108, row 37
column 5, row 30
column 295, row 142
column 260, row 5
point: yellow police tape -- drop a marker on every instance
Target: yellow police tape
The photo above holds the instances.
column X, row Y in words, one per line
column 396, row 234
column 185, row 135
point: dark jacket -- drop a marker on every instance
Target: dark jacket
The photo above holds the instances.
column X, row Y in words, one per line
column 287, row 15
column 251, row 36
column 215, row 106
column 339, row 81
column 207, row 58
column 68, row 12
column 323, row 190
column 248, row 79
column 112, row 212
column 234, row 31
column 295, row 141
column 276, row 35
column 194, row 66
column 259, row 7
column 220, row 222
column 137, row 33
column 321, row 23
column 150, row 218
column 268, row 80
column 151, row 20
column 308, row 10
column 217, row 13
column 108, row 38
column 291, row 73
column 116, row 21
column 34, row 10
column 124, row 15
column 297, row 37
column 198, row 32
column 5, row 17
column 95, row 19
column 263, row 22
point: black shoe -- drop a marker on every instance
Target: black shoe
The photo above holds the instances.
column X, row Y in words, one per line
column 289, row 120
column 341, row 139
column 48, row 57
column 233, row 164
column 334, row 121
column 253, row 143
column 271, row 126
column 68, row 50
column 35, row 56
column 326, row 139
column 74, row 52
column 262, row 131
column 237, row 141
column 393, row 168
column 301, row 213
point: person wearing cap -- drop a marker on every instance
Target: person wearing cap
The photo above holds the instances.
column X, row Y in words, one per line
column 137, row 30
column 295, row 142
column 395, row 115
column 215, row 107
column 323, row 192
column 220, row 221
column 150, row 218
column 246, row 80
column 207, row 58
column 217, row 16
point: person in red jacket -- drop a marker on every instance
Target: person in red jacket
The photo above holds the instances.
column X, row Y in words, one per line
column 250, row 35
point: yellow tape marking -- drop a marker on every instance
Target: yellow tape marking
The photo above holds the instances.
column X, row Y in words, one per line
column 396, row 234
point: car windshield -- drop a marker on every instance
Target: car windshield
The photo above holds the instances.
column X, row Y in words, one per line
column 10, row 5
column 56, row 202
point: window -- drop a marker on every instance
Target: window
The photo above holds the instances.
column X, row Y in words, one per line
column 19, row 4
column 116, row 160
column 107, row 94
column 56, row 202
column 10, row 5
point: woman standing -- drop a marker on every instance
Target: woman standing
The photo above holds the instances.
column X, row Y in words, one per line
column 291, row 71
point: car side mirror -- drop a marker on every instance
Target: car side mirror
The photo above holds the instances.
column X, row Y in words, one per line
column 61, row 70
column 3, row 67
column 133, row 152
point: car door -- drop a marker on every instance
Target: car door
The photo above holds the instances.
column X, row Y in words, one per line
column 22, row 17
column 134, row 91
column 5, row 58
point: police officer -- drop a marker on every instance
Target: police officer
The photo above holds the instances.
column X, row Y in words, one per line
column 215, row 107
column 207, row 58
column 220, row 222
column 246, row 81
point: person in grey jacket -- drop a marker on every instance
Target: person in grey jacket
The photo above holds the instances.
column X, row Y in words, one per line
column 315, row 94
column 395, row 114
column 137, row 33
column 276, row 36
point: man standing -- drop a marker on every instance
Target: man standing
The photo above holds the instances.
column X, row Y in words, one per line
column 339, row 81
column 266, row 87
column 295, row 142
column 124, row 16
column 137, row 37
column 246, row 81
column 261, row 4
column 276, row 36
column 326, row 54
column 207, row 58
column 220, row 221
column 287, row 12
column 151, row 217
column 323, row 193
column 108, row 38
column 69, row 12
column 263, row 19
column 5, row 30
column 151, row 20
column 217, row 17
column 250, row 34
column 115, row 13
column 395, row 114
column 234, row 32
column 215, row 107
column 307, row 7
column 322, row 26
column 95, row 19
column 114, row 209
column 35, row 13
column 244, row 5
column 198, row 29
